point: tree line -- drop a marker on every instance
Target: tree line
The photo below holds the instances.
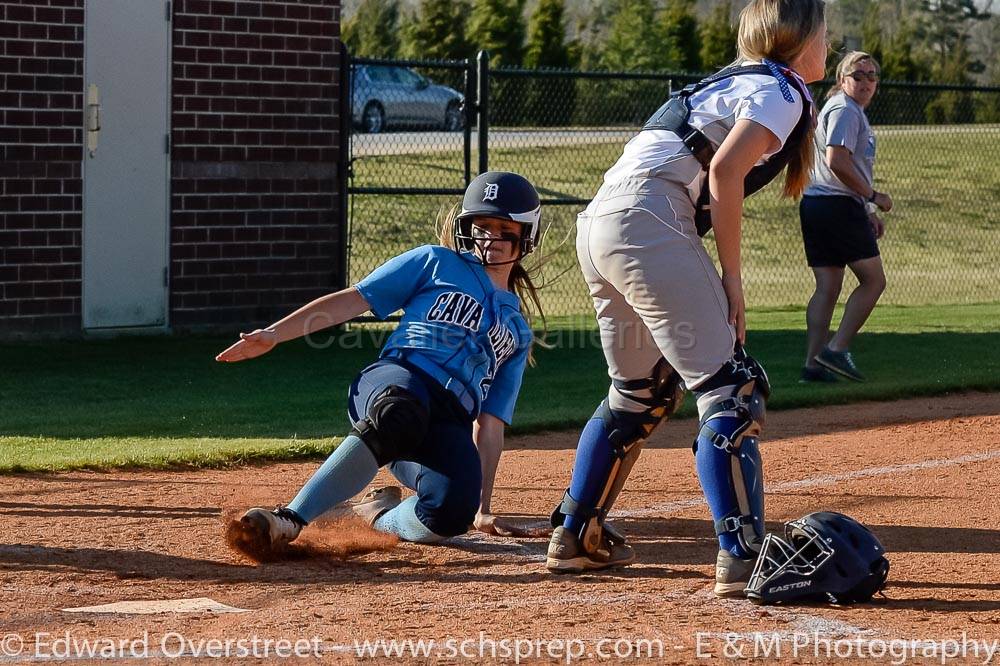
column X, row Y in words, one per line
column 953, row 41
column 615, row 35
column 944, row 41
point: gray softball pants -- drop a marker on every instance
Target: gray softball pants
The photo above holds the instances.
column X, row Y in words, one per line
column 656, row 291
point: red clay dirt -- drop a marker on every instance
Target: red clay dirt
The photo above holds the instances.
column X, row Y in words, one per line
column 921, row 473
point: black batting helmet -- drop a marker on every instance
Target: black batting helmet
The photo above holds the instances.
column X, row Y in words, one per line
column 504, row 195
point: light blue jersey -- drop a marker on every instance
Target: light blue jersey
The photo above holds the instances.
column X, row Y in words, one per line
column 456, row 325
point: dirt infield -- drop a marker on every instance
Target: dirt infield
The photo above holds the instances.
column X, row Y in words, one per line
column 922, row 473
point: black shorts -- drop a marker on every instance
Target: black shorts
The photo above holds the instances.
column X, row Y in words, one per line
column 836, row 231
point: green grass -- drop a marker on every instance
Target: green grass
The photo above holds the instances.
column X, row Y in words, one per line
column 30, row 454
column 163, row 402
column 942, row 245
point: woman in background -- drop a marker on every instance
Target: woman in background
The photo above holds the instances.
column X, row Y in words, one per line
column 839, row 225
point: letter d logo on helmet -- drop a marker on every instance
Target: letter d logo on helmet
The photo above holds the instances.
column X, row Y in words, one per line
column 504, row 195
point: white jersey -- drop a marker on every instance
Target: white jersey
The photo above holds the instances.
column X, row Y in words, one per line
column 714, row 110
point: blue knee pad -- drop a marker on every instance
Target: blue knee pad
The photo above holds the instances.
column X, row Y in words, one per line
column 727, row 455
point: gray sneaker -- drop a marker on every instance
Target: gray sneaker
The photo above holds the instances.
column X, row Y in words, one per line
column 377, row 502
column 732, row 574
column 818, row 375
column 839, row 362
column 566, row 555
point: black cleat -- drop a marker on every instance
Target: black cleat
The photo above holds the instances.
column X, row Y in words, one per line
column 272, row 528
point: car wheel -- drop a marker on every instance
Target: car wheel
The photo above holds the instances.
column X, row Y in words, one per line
column 373, row 119
column 453, row 120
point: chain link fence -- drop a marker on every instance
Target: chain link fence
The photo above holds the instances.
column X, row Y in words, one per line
column 937, row 157
column 409, row 154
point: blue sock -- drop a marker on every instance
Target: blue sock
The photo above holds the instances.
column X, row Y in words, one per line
column 403, row 522
column 348, row 470
column 594, row 458
column 715, row 474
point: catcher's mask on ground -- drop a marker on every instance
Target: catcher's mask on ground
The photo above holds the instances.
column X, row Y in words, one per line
column 824, row 556
column 504, row 196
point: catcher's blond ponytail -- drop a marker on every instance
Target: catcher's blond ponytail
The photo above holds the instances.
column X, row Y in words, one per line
column 779, row 30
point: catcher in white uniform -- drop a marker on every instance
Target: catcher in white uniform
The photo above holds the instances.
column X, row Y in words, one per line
column 667, row 319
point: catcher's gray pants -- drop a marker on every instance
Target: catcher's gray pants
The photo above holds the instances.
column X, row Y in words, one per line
column 656, row 291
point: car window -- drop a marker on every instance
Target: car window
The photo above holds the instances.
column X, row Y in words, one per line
column 380, row 74
column 407, row 77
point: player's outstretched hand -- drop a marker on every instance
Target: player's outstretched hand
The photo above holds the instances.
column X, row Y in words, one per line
column 250, row 345
column 490, row 524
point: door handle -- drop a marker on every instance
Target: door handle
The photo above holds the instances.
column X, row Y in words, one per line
column 93, row 118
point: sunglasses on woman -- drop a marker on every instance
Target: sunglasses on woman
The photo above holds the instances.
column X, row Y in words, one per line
column 861, row 76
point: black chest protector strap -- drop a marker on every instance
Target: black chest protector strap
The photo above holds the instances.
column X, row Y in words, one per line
column 673, row 116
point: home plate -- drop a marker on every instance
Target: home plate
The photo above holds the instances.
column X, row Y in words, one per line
column 151, row 607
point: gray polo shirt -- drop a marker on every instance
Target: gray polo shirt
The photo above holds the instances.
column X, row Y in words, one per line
column 842, row 122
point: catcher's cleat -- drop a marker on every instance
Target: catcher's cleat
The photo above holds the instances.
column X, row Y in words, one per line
column 566, row 555
column 841, row 363
column 272, row 528
column 732, row 574
column 377, row 502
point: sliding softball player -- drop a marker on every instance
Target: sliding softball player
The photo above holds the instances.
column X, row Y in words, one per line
column 434, row 406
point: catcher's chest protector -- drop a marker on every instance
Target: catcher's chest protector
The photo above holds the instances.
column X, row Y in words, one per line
column 674, row 115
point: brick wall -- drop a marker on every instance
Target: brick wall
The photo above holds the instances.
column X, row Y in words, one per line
column 41, row 126
column 254, row 224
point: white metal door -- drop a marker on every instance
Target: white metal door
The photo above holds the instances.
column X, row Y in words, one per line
column 125, row 163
